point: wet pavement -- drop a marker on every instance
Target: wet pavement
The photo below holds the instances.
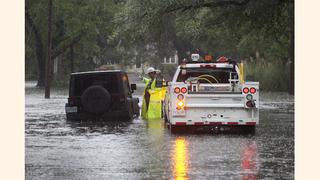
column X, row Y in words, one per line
column 59, row 149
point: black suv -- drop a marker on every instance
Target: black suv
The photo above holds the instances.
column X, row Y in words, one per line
column 101, row 95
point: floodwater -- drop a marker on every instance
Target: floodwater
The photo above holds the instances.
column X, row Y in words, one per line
column 59, row 149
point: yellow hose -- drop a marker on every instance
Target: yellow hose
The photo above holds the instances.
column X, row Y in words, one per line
column 209, row 76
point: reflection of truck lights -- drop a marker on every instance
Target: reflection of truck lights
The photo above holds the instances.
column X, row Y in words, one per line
column 180, row 159
column 252, row 90
column 177, row 90
column 180, row 97
column 245, row 90
column 249, row 162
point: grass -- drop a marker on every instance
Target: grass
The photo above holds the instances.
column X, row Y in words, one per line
column 272, row 76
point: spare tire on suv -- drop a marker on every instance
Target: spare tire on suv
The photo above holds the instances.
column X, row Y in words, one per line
column 101, row 95
column 96, row 99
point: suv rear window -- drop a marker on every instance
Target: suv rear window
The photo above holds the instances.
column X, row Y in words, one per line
column 79, row 83
column 222, row 75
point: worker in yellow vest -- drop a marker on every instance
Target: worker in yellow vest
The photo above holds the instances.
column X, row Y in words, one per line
column 152, row 96
column 161, row 82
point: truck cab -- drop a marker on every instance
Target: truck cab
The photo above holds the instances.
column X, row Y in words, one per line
column 212, row 94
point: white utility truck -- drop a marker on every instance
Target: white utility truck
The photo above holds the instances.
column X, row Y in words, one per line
column 211, row 94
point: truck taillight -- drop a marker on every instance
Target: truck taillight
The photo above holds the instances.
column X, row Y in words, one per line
column 245, row 90
column 183, row 90
column 177, row 90
column 253, row 90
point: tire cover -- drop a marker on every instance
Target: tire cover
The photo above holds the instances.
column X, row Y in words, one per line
column 96, row 99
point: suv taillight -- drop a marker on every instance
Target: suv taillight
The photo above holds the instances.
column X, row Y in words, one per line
column 117, row 99
column 72, row 101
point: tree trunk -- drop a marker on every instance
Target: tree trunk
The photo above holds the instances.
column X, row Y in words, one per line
column 291, row 66
column 184, row 49
column 41, row 63
column 49, row 63
column 39, row 50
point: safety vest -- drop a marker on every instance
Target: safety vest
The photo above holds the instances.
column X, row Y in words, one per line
column 154, row 109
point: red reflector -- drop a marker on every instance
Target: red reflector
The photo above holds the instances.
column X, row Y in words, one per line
column 181, row 123
column 198, row 123
column 250, row 123
column 207, row 66
column 233, row 123
column 177, row 90
column 245, row 90
column 183, row 90
column 253, row 90
column 215, row 123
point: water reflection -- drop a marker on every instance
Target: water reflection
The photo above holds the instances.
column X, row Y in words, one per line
column 180, row 159
column 155, row 128
column 98, row 126
column 249, row 161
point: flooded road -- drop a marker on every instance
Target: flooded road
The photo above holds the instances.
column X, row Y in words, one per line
column 57, row 149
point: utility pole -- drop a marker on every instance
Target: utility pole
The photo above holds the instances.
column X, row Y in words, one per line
column 49, row 64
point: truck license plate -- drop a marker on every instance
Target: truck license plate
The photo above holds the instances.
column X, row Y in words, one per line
column 71, row 109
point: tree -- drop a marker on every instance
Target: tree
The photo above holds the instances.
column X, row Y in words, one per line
column 237, row 28
column 85, row 26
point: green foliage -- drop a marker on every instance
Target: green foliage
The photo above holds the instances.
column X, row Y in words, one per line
column 272, row 76
column 168, row 71
column 138, row 31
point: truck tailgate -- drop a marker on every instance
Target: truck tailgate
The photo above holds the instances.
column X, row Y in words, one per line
column 214, row 100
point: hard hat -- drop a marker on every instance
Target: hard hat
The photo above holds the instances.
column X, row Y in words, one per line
column 150, row 69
